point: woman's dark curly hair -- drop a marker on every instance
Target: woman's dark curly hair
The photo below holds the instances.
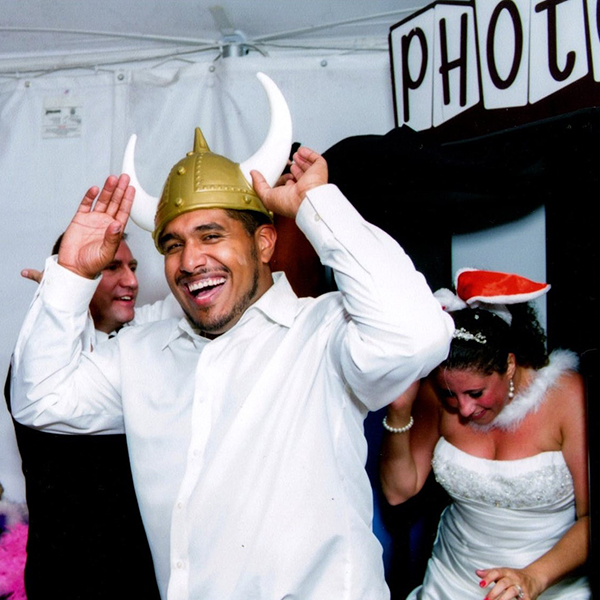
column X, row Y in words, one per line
column 525, row 338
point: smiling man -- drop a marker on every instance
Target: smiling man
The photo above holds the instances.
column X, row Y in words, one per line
column 113, row 304
column 204, row 268
column 85, row 530
column 245, row 418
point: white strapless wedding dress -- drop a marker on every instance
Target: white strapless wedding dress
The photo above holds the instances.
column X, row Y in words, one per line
column 505, row 513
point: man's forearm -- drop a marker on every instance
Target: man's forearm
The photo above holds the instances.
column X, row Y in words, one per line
column 46, row 383
column 398, row 327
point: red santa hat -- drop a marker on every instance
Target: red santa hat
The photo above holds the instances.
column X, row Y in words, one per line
column 490, row 290
column 491, row 287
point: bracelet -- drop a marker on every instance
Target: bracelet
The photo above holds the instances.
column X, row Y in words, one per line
column 398, row 429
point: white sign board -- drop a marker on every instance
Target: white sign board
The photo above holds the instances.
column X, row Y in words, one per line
column 506, row 53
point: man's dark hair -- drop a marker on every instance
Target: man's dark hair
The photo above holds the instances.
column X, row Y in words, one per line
column 250, row 219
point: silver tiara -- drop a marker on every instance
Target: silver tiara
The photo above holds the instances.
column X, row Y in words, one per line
column 463, row 334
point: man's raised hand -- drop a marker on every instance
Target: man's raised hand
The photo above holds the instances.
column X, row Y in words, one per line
column 93, row 236
column 308, row 170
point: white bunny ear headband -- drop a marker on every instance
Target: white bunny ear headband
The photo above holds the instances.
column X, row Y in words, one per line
column 490, row 290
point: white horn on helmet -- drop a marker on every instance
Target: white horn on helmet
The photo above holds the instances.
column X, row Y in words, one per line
column 144, row 205
column 271, row 158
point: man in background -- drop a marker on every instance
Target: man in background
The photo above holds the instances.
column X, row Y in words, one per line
column 86, row 538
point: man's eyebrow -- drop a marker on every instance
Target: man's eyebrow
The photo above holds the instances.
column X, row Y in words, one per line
column 209, row 227
column 199, row 229
column 114, row 263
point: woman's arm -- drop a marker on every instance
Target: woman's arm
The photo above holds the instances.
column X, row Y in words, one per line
column 406, row 457
column 571, row 551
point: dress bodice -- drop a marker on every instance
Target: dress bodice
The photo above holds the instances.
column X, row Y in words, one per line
column 539, row 481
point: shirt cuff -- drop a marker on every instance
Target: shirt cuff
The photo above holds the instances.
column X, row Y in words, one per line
column 65, row 290
column 326, row 213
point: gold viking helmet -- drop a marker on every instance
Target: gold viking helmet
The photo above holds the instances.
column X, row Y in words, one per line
column 203, row 179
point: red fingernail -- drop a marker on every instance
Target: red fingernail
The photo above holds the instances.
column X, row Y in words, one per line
column 482, row 584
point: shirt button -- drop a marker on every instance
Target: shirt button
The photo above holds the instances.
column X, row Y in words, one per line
column 317, row 217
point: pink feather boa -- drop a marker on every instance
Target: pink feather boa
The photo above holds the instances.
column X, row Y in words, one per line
column 13, row 544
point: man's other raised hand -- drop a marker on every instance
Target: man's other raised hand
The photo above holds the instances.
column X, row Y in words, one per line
column 93, row 236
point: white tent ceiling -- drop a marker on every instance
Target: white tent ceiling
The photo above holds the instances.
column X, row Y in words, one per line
column 44, row 35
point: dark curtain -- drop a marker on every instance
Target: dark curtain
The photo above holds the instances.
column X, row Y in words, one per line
column 422, row 190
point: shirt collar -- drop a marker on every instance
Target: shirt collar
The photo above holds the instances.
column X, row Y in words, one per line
column 279, row 304
column 102, row 336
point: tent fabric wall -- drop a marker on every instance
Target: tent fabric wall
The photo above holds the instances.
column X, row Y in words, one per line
column 42, row 179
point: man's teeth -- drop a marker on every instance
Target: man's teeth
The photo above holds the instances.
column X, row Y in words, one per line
column 126, row 298
column 198, row 286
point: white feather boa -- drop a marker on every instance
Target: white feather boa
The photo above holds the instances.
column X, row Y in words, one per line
column 532, row 398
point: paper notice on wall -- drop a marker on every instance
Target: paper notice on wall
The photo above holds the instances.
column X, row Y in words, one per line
column 62, row 118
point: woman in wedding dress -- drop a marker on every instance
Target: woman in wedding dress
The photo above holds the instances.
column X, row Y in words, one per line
column 503, row 426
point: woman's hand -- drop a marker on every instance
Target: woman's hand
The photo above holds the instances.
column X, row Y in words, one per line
column 509, row 584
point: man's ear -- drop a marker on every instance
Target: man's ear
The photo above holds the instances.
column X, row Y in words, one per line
column 266, row 237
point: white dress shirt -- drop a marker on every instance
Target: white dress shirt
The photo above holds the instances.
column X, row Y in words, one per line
column 248, row 451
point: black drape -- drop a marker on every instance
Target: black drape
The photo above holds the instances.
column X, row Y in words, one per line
column 423, row 190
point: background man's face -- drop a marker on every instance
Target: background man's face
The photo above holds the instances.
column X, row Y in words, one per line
column 113, row 303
